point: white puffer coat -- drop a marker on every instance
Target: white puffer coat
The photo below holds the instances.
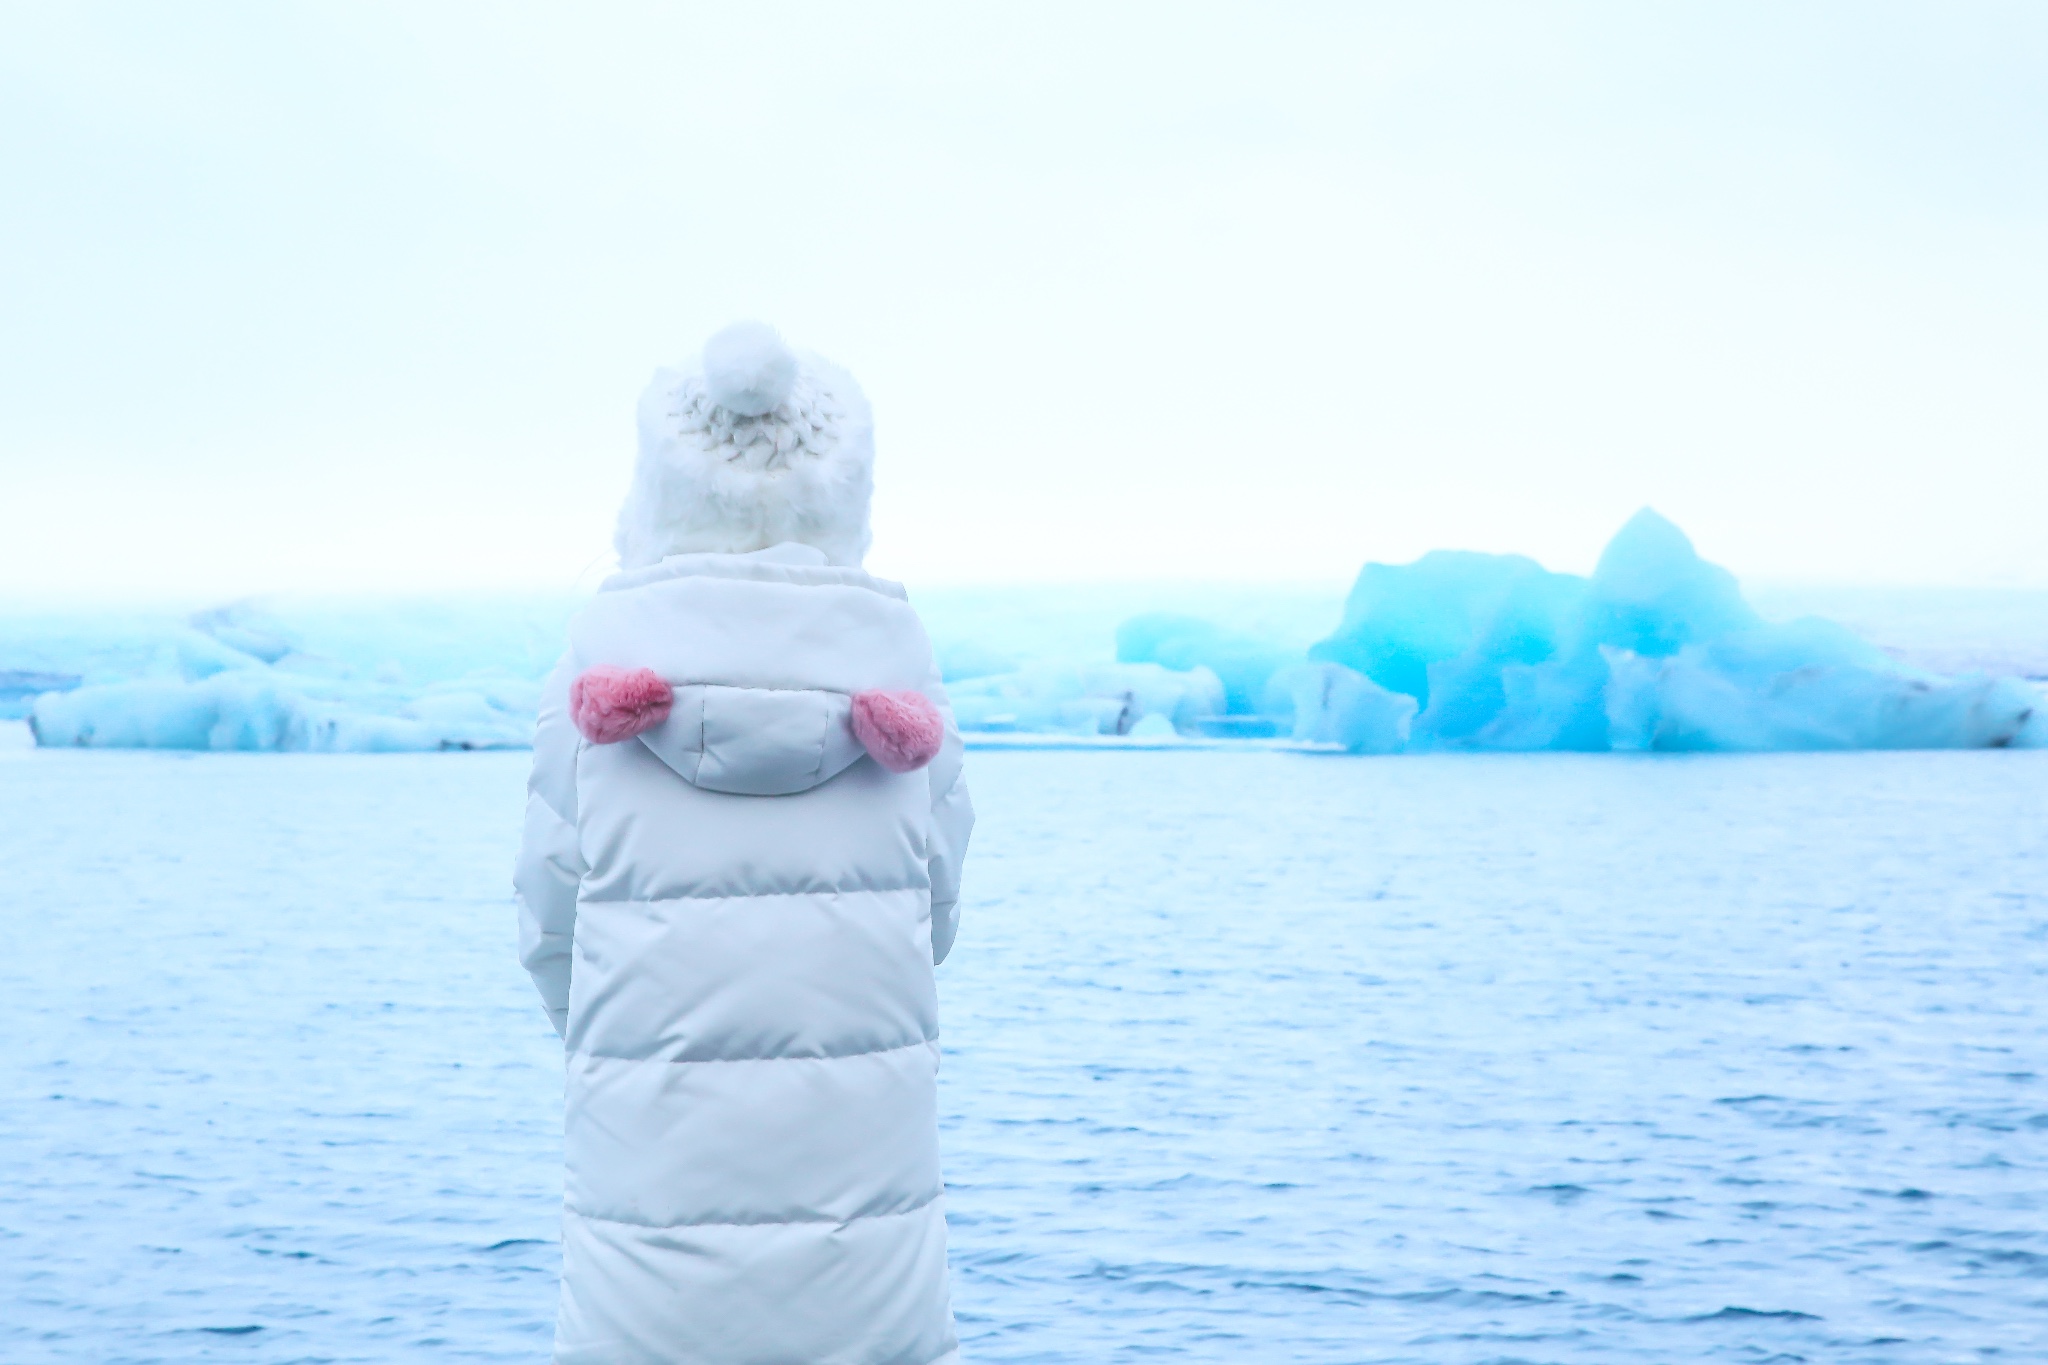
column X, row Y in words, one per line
column 733, row 921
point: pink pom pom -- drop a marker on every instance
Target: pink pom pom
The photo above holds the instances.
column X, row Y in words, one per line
column 609, row 704
column 902, row 730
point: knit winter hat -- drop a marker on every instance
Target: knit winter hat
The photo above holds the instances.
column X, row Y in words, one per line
column 754, row 445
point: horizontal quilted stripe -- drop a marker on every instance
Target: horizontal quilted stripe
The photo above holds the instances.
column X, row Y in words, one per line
column 870, row 1293
column 850, row 889
column 729, row 978
column 646, row 834
column 800, row 1139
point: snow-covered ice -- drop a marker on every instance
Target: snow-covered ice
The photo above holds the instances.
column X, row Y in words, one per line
column 1249, row 1057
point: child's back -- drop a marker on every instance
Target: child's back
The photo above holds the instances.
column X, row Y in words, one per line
column 733, row 915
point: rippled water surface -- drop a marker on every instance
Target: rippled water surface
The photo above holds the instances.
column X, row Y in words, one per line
column 1251, row 1057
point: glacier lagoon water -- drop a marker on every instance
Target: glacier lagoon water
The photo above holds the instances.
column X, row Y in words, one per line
column 1250, row 1057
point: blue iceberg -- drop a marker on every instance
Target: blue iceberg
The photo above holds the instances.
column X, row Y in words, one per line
column 1242, row 663
column 1327, row 703
column 235, row 679
column 1089, row 699
column 1656, row 651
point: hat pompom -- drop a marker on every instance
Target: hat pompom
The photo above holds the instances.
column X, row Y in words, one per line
column 748, row 370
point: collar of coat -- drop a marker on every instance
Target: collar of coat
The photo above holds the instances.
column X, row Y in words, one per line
column 788, row 562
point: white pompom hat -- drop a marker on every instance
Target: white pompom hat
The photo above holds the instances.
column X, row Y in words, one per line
column 753, row 446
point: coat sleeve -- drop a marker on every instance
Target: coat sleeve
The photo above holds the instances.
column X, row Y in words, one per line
column 952, row 823
column 550, row 866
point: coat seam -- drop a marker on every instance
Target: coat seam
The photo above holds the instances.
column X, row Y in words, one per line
column 919, row 1207
column 564, row 821
column 927, row 1041
column 751, row 895
column 826, row 576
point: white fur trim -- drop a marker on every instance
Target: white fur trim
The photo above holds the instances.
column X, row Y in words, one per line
column 713, row 480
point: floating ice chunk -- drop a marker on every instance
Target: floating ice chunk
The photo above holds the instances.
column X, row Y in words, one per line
column 1401, row 619
column 263, row 710
column 1460, row 632
column 2034, row 734
column 1483, row 696
column 1089, row 699
column 316, row 666
column 150, row 714
column 503, row 692
column 1241, row 662
column 249, row 629
column 19, row 687
column 238, row 677
column 1652, row 594
column 1703, row 698
column 1154, row 726
column 1560, row 704
column 1657, row 650
column 1333, row 704
column 960, row 660
column 202, row 656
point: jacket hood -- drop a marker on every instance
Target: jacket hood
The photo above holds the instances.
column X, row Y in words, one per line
column 765, row 652
column 757, row 741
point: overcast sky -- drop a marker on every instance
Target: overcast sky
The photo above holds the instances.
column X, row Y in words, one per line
column 357, row 295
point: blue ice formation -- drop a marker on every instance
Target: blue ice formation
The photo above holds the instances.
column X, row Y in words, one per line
column 964, row 659
column 236, row 679
column 267, row 711
column 1243, row 663
column 1088, row 699
column 1326, row 703
column 1656, row 651
column 19, row 688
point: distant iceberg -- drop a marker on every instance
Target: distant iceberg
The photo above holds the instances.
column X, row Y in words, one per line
column 1331, row 704
column 1089, row 699
column 1243, row 663
column 240, row 680
column 19, row 688
column 1656, row 651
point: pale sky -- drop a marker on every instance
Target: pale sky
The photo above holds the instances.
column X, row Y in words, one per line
column 360, row 296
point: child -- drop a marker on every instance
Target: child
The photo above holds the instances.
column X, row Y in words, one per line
column 741, row 863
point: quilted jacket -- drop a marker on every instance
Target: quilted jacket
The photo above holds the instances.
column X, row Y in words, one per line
column 733, row 920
